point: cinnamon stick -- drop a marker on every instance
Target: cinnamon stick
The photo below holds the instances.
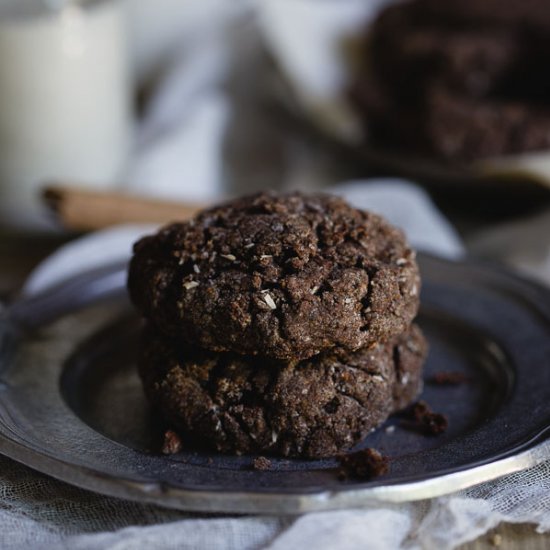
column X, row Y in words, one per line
column 80, row 209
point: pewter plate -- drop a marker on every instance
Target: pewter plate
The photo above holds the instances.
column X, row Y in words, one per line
column 71, row 404
column 510, row 177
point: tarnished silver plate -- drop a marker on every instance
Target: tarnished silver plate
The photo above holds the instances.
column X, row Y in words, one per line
column 71, row 404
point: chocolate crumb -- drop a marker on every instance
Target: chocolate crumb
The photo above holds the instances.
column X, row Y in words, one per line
column 364, row 464
column 431, row 422
column 448, row 379
column 261, row 463
column 172, row 443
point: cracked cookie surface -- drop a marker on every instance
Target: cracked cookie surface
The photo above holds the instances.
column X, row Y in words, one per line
column 279, row 276
column 314, row 408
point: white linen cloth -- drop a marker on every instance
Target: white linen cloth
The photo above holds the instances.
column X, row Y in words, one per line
column 206, row 133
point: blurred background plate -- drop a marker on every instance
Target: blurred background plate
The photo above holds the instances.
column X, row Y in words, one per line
column 320, row 59
column 334, row 125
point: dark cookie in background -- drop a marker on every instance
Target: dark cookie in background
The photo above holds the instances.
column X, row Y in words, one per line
column 455, row 127
column 455, row 80
column 528, row 15
column 410, row 55
column 278, row 276
column 315, row 408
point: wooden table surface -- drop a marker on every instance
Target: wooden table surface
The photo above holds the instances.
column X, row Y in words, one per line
column 19, row 254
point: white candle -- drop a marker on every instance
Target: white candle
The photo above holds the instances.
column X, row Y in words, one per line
column 64, row 100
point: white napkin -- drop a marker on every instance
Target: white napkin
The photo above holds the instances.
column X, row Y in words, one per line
column 212, row 92
column 523, row 244
column 178, row 153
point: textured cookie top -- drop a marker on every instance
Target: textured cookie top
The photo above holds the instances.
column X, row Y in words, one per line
column 318, row 407
column 280, row 276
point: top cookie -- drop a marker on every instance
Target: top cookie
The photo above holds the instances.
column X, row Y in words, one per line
column 279, row 276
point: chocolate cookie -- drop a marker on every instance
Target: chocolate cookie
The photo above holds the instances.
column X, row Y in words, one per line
column 457, row 127
column 314, row 408
column 280, row 276
column 528, row 15
column 458, row 80
column 410, row 56
column 409, row 353
column 454, row 127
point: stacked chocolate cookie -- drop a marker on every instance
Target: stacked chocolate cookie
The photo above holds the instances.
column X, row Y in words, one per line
column 278, row 324
column 460, row 79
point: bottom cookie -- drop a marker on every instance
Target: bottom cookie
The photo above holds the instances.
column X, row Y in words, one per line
column 315, row 408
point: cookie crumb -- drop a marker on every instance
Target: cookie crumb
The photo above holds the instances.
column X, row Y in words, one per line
column 210, row 461
column 496, row 540
column 431, row 422
column 172, row 443
column 364, row 464
column 448, row 378
column 261, row 463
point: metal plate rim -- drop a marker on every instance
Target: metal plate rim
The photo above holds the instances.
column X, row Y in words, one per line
column 261, row 502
